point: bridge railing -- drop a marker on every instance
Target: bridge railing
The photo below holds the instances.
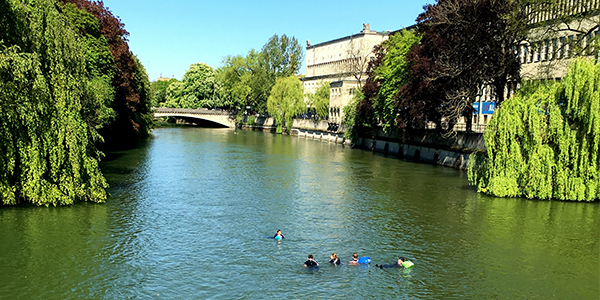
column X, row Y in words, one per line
column 200, row 111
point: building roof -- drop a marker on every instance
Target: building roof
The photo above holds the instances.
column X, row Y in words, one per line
column 360, row 34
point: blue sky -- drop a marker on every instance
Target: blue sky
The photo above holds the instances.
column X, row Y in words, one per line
column 168, row 36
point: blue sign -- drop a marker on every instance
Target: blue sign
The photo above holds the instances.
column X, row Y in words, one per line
column 488, row 108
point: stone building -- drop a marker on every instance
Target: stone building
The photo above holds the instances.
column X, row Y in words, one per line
column 342, row 62
column 550, row 47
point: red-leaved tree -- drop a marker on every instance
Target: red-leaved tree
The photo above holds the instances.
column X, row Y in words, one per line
column 466, row 45
column 131, row 102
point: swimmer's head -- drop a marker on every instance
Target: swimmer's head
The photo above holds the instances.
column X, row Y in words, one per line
column 333, row 255
column 310, row 256
column 354, row 256
column 400, row 259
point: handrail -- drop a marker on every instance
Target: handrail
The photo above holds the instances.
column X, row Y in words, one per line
column 201, row 111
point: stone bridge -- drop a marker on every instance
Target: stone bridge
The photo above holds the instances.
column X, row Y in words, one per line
column 220, row 117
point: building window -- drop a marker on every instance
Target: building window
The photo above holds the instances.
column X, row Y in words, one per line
column 569, row 45
column 554, row 49
column 562, row 48
column 544, row 51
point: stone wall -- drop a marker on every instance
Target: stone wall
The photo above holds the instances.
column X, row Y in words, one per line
column 424, row 145
column 429, row 146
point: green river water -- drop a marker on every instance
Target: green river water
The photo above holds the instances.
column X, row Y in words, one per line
column 192, row 211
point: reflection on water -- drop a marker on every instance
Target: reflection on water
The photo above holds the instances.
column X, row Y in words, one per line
column 191, row 213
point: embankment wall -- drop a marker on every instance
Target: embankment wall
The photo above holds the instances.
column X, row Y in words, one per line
column 422, row 145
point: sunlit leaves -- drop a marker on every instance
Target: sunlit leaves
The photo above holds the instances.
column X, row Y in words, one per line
column 319, row 100
column 544, row 142
column 286, row 101
column 392, row 74
column 198, row 89
column 47, row 156
column 132, row 119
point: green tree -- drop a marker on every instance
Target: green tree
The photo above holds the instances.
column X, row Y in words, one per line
column 158, row 91
column 47, row 154
column 282, row 56
column 465, row 45
column 544, row 142
column 100, row 65
column 319, row 100
column 132, row 121
column 390, row 75
column 142, row 88
column 260, row 82
column 235, row 78
column 352, row 119
column 286, row 101
column 199, row 88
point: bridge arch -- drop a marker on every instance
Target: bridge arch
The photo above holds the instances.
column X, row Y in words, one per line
column 220, row 117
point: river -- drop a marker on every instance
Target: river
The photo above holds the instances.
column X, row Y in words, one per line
column 192, row 211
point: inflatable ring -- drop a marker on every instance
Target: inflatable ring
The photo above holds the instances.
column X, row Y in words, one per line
column 364, row 260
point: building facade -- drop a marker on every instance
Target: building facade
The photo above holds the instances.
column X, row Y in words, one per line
column 343, row 63
column 551, row 46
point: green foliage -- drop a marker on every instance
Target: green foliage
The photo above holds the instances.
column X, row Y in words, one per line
column 198, row 89
column 236, row 78
column 99, row 60
column 47, row 154
column 100, row 65
column 143, row 114
column 392, row 74
column 247, row 81
column 286, row 101
column 158, row 91
column 350, row 118
column 319, row 100
column 281, row 56
column 544, row 142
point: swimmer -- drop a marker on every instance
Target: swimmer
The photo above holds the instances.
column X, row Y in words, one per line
column 311, row 262
column 278, row 235
column 354, row 260
column 335, row 259
column 402, row 262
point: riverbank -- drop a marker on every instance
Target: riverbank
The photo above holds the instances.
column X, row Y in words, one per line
column 426, row 146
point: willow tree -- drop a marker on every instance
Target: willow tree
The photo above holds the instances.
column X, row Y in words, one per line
column 286, row 101
column 131, row 101
column 319, row 100
column 47, row 154
column 544, row 142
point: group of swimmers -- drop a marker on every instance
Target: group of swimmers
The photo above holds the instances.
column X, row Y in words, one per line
column 401, row 263
column 312, row 263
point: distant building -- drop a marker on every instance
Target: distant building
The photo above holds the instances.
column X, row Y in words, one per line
column 554, row 48
column 341, row 62
column 162, row 79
